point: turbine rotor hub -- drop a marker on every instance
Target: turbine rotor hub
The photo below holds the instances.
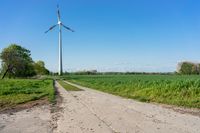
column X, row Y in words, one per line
column 59, row 22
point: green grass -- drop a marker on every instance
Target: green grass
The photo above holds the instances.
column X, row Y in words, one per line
column 168, row 89
column 68, row 87
column 17, row 91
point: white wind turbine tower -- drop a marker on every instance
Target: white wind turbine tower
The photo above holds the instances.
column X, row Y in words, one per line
column 60, row 24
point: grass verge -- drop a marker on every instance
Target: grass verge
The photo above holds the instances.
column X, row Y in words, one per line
column 67, row 86
column 18, row 91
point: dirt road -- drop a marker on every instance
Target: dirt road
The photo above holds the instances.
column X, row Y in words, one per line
column 93, row 111
column 34, row 120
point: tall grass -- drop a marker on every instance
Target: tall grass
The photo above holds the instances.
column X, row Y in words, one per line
column 16, row 91
column 169, row 89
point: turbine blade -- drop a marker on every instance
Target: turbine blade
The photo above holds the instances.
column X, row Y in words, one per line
column 50, row 28
column 67, row 28
column 58, row 12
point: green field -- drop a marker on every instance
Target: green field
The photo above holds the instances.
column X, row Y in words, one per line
column 17, row 91
column 168, row 89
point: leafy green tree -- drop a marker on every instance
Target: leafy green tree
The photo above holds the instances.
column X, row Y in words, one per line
column 16, row 62
column 1, row 70
column 194, row 69
column 40, row 69
column 188, row 68
column 198, row 68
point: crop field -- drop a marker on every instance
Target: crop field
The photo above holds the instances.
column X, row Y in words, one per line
column 17, row 91
column 168, row 89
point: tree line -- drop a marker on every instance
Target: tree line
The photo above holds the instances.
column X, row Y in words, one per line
column 183, row 68
column 16, row 61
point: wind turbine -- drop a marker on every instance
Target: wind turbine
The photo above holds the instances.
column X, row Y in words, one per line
column 60, row 25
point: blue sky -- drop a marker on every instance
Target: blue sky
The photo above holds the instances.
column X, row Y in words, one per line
column 111, row 35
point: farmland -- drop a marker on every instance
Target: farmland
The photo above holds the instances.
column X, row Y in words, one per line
column 17, row 91
column 168, row 89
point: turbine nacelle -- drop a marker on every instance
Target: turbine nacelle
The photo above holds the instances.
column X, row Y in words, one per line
column 59, row 23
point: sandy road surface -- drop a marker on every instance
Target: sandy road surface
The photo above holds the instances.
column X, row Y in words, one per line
column 34, row 120
column 93, row 111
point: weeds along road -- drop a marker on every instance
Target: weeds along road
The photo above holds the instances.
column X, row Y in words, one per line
column 93, row 111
